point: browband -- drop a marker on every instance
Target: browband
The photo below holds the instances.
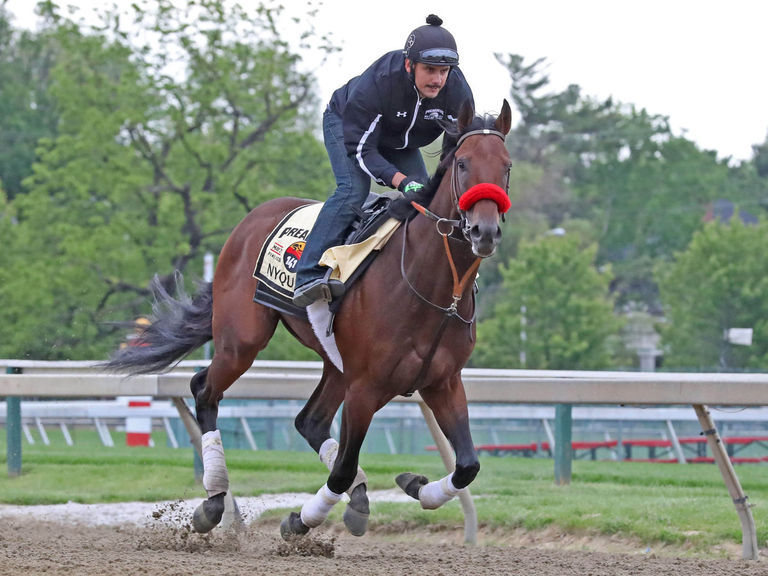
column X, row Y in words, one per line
column 484, row 131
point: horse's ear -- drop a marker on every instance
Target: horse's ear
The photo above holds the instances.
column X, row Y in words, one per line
column 504, row 120
column 466, row 115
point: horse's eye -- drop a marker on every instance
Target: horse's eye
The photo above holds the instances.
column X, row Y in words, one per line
column 461, row 164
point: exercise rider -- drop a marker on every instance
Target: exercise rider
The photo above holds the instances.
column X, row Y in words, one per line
column 373, row 128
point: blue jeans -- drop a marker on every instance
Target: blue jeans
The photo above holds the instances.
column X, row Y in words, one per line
column 352, row 187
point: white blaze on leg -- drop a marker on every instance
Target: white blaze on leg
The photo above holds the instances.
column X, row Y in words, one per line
column 316, row 510
column 215, row 475
column 435, row 494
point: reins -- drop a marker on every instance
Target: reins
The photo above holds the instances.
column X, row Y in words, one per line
column 458, row 285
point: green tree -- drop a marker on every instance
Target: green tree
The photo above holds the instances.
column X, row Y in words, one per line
column 552, row 293
column 643, row 190
column 647, row 205
column 170, row 131
column 562, row 144
column 566, row 133
column 719, row 282
column 760, row 158
column 27, row 112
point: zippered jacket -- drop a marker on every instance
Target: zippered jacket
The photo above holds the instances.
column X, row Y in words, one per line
column 381, row 109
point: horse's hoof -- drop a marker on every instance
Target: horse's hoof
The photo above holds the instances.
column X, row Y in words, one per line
column 357, row 511
column 410, row 483
column 208, row 515
column 355, row 521
column 292, row 526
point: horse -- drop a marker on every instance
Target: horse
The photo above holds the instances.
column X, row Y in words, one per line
column 406, row 325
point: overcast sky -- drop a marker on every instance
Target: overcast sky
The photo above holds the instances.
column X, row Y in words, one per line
column 702, row 63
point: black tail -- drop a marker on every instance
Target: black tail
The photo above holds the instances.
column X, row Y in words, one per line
column 180, row 325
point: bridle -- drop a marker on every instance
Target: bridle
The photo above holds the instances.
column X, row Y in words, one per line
column 446, row 228
column 463, row 223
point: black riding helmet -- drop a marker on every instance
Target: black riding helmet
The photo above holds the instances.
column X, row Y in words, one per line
column 432, row 44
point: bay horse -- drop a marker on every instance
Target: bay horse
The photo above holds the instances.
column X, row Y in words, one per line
column 407, row 325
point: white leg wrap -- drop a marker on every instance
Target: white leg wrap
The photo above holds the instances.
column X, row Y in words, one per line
column 328, row 452
column 435, row 494
column 215, row 475
column 316, row 510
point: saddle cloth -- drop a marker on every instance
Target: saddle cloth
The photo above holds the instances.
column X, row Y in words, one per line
column 276, row 266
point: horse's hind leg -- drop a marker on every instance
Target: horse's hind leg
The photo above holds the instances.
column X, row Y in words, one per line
column 314, row 424
column 215, row 476
column 236, row 347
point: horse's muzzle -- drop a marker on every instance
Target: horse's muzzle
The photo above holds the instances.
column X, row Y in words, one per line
column 485, row 237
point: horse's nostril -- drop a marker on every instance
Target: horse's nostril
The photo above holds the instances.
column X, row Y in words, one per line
column 487, row 232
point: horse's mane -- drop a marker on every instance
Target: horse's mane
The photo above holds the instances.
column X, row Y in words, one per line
column 450, row 140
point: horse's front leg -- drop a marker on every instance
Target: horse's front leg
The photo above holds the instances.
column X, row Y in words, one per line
column 346, row 476
column 449, row 405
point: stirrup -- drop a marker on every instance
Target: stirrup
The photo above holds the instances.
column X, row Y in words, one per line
column 324, row 289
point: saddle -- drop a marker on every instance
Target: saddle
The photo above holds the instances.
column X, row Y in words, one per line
column 279, row 256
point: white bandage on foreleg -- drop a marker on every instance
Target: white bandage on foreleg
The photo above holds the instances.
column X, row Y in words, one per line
column 317, row 508
column 215, row 475
column 435, row 494
column 328, row 452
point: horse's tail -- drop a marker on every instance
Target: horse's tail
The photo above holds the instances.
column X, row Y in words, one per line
column 180, row 325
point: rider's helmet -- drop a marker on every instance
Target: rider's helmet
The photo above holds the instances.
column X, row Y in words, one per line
column 432, row 44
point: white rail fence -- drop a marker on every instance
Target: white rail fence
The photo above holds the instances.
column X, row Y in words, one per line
column 492, row 421
column 296, row 380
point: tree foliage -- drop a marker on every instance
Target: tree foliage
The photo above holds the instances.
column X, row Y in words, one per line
column 642, row 190
column 719, row 282
column 169, row 132
column 553, row 294
column 27, row 112
column 131, row 148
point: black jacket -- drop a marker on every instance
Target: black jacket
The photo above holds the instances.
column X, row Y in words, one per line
column 378, row 110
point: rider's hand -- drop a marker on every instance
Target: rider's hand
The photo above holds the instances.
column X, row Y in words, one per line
column 401, row 208
column 410, row 186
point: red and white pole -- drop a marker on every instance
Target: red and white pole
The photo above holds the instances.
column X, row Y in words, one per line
column 138, row 430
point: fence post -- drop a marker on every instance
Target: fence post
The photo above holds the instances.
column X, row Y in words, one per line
column 13, row 428
column 563, row 449
column 750, row 550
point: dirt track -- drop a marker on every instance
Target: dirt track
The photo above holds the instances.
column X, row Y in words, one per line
column 163, row 548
